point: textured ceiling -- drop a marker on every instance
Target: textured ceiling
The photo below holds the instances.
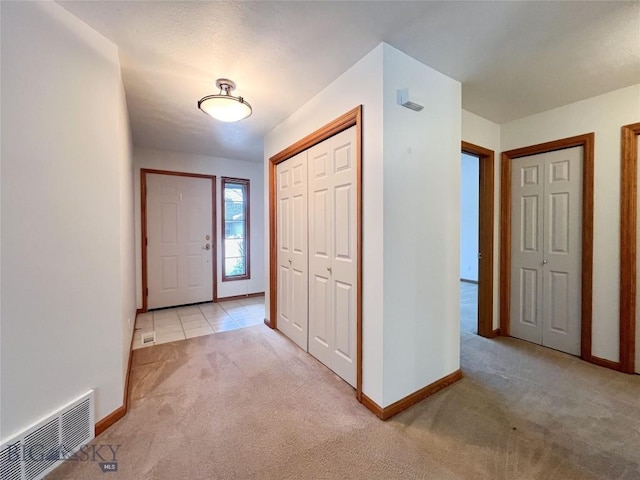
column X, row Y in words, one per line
column 513, row 58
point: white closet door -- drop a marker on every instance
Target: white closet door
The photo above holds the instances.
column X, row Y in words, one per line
column 291, row 197
column 333, row 253
column 527, row 201
column 546, row 249
column 563, row 250
column 179, row 228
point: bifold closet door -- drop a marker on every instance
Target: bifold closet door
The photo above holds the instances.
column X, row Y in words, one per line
column 293, row 272
column 332, row 174
column 546, row 249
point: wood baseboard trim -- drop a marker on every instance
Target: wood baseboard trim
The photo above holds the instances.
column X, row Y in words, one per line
column 495, row 333
column 240, row 297
column 110, row 419
column 376, row 409
column 121, row 411
column 466, row 280
column 268, row 323
column 387, row 412
column 603, row 362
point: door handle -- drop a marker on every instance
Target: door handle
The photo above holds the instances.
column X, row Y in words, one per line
column 329, row 269
column 544, row 262
column 479, row 255
column 207, row 247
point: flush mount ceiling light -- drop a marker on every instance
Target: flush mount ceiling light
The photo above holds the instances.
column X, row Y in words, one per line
column 224, row 106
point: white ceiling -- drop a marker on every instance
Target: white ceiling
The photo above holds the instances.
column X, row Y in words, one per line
column 513, row 58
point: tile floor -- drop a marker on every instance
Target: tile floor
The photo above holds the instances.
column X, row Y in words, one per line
column 469, row 307
column 180, row 323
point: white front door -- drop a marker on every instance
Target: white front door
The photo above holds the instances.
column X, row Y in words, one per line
column 546, row 249
column 333, row 247
column 291, row 198
column 179, row 240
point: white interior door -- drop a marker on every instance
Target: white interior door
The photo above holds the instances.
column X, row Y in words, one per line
column 333, row 253
column 293, row 271
column 562, row 264
column 179, row 240
column 527, row 201
column 546, row 240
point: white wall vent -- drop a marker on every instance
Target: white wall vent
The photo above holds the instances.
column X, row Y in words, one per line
column 34, row 452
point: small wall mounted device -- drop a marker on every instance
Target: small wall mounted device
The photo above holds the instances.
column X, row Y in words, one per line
column 403, row 99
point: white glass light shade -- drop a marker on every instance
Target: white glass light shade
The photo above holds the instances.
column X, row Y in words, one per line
column 225, row 108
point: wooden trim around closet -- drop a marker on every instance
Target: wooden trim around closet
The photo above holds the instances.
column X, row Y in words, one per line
column 630, row 135
column 587, row 142
column 485, row 237
column 143, row 227
column 387, row 412
column 348, row 120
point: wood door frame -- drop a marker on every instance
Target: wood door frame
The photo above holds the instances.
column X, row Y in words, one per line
column 143, row 229
column 348, row 120
column 630, row 137
column 485, row 237
column 585, row 141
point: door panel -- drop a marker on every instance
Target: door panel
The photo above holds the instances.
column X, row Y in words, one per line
column 291, row 191
column 563, row 250
column 526, row 248
column 332, row 259
column 179, row 218
column 546, row 249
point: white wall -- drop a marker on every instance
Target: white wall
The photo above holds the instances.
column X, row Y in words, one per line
column 484, row 133
column 421, row 227
column 127, row 233
column 220, row 167
column 604, row 115
column 469, row 211
column 360, row 85
column 65, row 184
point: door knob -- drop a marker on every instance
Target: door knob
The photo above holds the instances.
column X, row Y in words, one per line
column 207, row 247
column 289, row 261
column 544, row 262
column 329, row 269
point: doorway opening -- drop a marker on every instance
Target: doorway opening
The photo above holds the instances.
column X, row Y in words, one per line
column 476, row 240
column 469, row 245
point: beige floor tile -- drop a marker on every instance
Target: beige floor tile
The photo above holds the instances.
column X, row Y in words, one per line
column 161, row 322
column 174, row 327
column 225, row 326
column 164, row 315
column 169, row 337
column 195, row 323
column 192, row 318
column 215, row 315
column 240, row 315
column 192, row 310
column 198, row 332
column 144, row 323
column 230, row 304
column 211, row 310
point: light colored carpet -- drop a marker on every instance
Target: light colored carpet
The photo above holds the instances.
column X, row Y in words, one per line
column 248, row 404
